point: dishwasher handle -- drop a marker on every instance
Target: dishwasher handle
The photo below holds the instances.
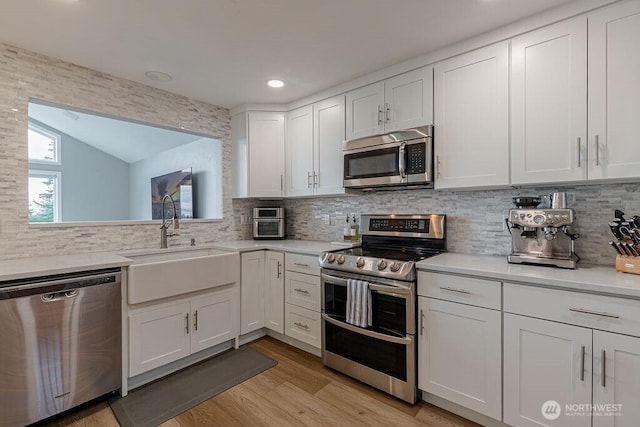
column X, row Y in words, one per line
column 59, row 288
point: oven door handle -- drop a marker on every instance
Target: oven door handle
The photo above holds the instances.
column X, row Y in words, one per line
column 376, row 335
column 391, row 290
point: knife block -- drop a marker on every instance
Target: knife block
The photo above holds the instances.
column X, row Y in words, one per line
column 628, row 264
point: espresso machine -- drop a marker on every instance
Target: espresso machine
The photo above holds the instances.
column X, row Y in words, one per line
column 542, row 235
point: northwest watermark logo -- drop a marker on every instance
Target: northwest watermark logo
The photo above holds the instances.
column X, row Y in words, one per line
column 551, row 410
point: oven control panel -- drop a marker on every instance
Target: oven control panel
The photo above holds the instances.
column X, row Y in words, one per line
column 408, row 224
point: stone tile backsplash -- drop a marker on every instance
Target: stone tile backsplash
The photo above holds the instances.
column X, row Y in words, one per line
column 474, row 218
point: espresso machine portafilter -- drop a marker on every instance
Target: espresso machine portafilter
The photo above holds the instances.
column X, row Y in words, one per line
column 542, row 237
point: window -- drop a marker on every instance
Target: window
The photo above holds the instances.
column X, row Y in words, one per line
column 44, row 145
column 44, row 196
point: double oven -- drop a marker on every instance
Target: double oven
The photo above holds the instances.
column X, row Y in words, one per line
column 384, row 353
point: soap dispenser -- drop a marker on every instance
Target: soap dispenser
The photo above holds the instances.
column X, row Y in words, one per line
column 346, row 233
column 355, row 229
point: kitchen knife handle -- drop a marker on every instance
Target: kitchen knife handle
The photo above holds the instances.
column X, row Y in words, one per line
column 596, row 147
column 579, row 152
column 613, row 245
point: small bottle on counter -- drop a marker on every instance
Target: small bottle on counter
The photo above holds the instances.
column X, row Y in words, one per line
column 346, row 233
column 355, row 229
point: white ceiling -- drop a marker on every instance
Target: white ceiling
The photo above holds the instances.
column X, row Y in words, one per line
column 122, row 139
column 223, row 51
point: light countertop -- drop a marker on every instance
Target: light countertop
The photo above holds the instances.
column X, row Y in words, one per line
column 22, row 268
column 585, row 278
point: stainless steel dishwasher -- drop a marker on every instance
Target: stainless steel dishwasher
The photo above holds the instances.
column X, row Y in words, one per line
column 60, row 343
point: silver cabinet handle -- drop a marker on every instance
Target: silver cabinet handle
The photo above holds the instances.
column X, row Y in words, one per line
column 195, row 320
column 379, row 115
column 301, row 325
column 582, row 352
column 438, row 166
column 387, row 112
column 421, row 322
column 596, row 148
column 299, row 264
column 302, row 291
column 594, row 313
column 579, row 152
column 308, row 179
column 604, row 368
column 279, row 269
column 281, row 182
column 316, row 179
column 186, row 323
column 460, row 291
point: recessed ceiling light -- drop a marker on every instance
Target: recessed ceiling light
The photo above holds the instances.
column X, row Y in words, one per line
column 275, row 83
column 15, row 110
column 158, row 76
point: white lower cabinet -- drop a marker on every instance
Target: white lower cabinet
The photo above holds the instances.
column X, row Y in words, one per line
column 302, row 299
column 251, row 291
column 167, row 332
column 303, row 324
column 593, row 375
column 545, row 361
column 459, row 354
column 274, row 291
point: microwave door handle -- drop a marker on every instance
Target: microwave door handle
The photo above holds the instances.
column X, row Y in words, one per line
column 402, row 161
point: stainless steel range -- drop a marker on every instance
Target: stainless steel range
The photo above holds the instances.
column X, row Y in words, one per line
column 369, row 301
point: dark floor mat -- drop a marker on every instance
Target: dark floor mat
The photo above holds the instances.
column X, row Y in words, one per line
column 162, row 400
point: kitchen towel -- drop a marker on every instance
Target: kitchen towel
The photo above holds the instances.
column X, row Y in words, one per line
column 359, row 310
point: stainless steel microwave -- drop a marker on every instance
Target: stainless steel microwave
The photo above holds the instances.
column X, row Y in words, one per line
column 398, row 159
column 268, row 223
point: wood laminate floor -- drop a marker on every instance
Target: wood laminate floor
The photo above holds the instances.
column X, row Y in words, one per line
column 298, row 391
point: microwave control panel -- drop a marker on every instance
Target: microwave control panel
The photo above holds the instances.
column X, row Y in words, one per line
column 416, row 158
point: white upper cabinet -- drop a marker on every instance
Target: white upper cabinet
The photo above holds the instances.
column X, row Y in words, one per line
column 471, row 119
column 266, row 154
column 401, row 102
column 328, row 135
column 314, row 148
column 300, row 152
column 549, row 104
column 614, row 92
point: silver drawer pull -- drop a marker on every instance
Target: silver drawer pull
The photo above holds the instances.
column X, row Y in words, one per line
column 302, row 291
column 582, row 354
column 301, row 325
column 299, row 264
column 594, row 313
column 460, row 291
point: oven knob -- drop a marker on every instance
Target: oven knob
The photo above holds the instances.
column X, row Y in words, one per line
column 394, row 266
column 331, row 258
column 382, row 264
column 360, row 262
column 340, row 259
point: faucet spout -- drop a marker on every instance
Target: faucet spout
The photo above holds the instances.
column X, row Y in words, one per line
column 166, row 222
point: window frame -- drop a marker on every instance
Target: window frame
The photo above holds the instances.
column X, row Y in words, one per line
column 57, row 191
column 56, row 144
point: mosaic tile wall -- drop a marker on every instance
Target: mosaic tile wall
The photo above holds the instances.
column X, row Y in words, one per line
column 25, row 74
column 474, row 218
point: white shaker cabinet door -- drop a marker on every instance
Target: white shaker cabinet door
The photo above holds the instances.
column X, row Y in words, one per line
column 158, row 336
column 409, row 100
column 616, row 378
column 266, row 154
column 614, row 92
column 328, row 136
column 214, row 319
column 471, row 119
column 299, row 152
column 549, row 104
column 365, row 111
column 274, row 291
column 459, row 354
column 251, row 291
column 545, row 361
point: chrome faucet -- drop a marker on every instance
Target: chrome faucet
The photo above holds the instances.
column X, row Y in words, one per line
column 167, row 222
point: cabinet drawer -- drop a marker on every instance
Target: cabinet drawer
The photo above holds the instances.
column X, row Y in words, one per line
column 466, row 290
column 592, row 311
column 302, row 324
column 302, row 263
column 302, row 290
